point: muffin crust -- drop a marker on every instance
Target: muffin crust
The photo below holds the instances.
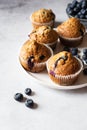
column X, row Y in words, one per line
column 43, row 15
column 63, row 64
column 44, row 34
column 71, row 28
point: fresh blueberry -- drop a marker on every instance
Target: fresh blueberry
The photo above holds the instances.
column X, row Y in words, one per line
column 84, row 4
column 30, row 61
column 52, row 73
column 28, row 91
column 76, row 10
column 74, row 51
column 74, row 3
column 18, row 97
column 42, row 57
column 77, row 16
column 85, row 71
column 85, row 51
column 84, row 57
column 86, row 61
column 78, row 6
column 69, row 5
column 81, row 16
column 83, row 11
column 29, row 103
column 71, row 12
column 85, row 16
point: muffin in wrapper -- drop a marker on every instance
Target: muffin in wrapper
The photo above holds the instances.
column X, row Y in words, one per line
column 42, row 17
column 45, row 35
column 64, row 79
column 71, row 32
column 30, row 53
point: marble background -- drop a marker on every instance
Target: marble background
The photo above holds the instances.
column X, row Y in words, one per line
column 56, row 109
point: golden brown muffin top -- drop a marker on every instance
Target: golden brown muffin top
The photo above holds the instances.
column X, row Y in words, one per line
column 34, row 51
column 63, row 64
column 43, row 16
column 44, row 34
column 71, row 28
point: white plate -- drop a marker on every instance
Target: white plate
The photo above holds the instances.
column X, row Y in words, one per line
column 44, row 79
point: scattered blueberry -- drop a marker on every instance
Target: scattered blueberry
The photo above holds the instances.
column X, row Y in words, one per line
column 18, row 97
column 85, row 71
column 85, row 51
column 29, row 103
column 84, row 57
column 28, row 91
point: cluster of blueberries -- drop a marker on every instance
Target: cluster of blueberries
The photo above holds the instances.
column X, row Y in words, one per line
column 77, row 9
column 19, row 97
column 76, row 52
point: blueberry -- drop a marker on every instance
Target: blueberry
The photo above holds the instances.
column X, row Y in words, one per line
column 71, row 12
column 85, row 71
column 85, row 51
column 84, row 57
column 30, row 61
column 76, row 16
column 83, row 11
column 52, row 73
column 28, row 91
column 42, row 57
column 81, row 16
column 85, row 16
column 85, row 61
column 74, row 3
column 66, row 49
column 74, row 51
column 18, row 97
column 29, row 103
column 69, row 5
column 78, row 6
column 76, row 10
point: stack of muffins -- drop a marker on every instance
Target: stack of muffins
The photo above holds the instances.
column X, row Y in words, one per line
column 36, row 54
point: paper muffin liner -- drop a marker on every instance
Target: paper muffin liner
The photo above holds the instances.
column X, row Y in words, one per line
column 71, row 42
column 65, row 80
column 37, row 24
column 38, row 67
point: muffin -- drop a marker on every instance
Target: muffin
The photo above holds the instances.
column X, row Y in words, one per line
column 45, row 35
column 42, row 17
column 33, row 56
column 63, row 68
column 71, row 32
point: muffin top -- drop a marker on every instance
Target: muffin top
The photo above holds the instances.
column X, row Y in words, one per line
column 71, row 28
column 63, row 63
column 44, row 34
column 43, row 16
column 35, row 52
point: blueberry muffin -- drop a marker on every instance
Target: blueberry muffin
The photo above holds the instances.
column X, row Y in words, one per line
column 33, row 56
column 42, row 17
column 45, row 35
column 63, row 68
column 71, row 32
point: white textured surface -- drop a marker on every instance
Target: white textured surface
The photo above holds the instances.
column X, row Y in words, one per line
column 57, row 110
